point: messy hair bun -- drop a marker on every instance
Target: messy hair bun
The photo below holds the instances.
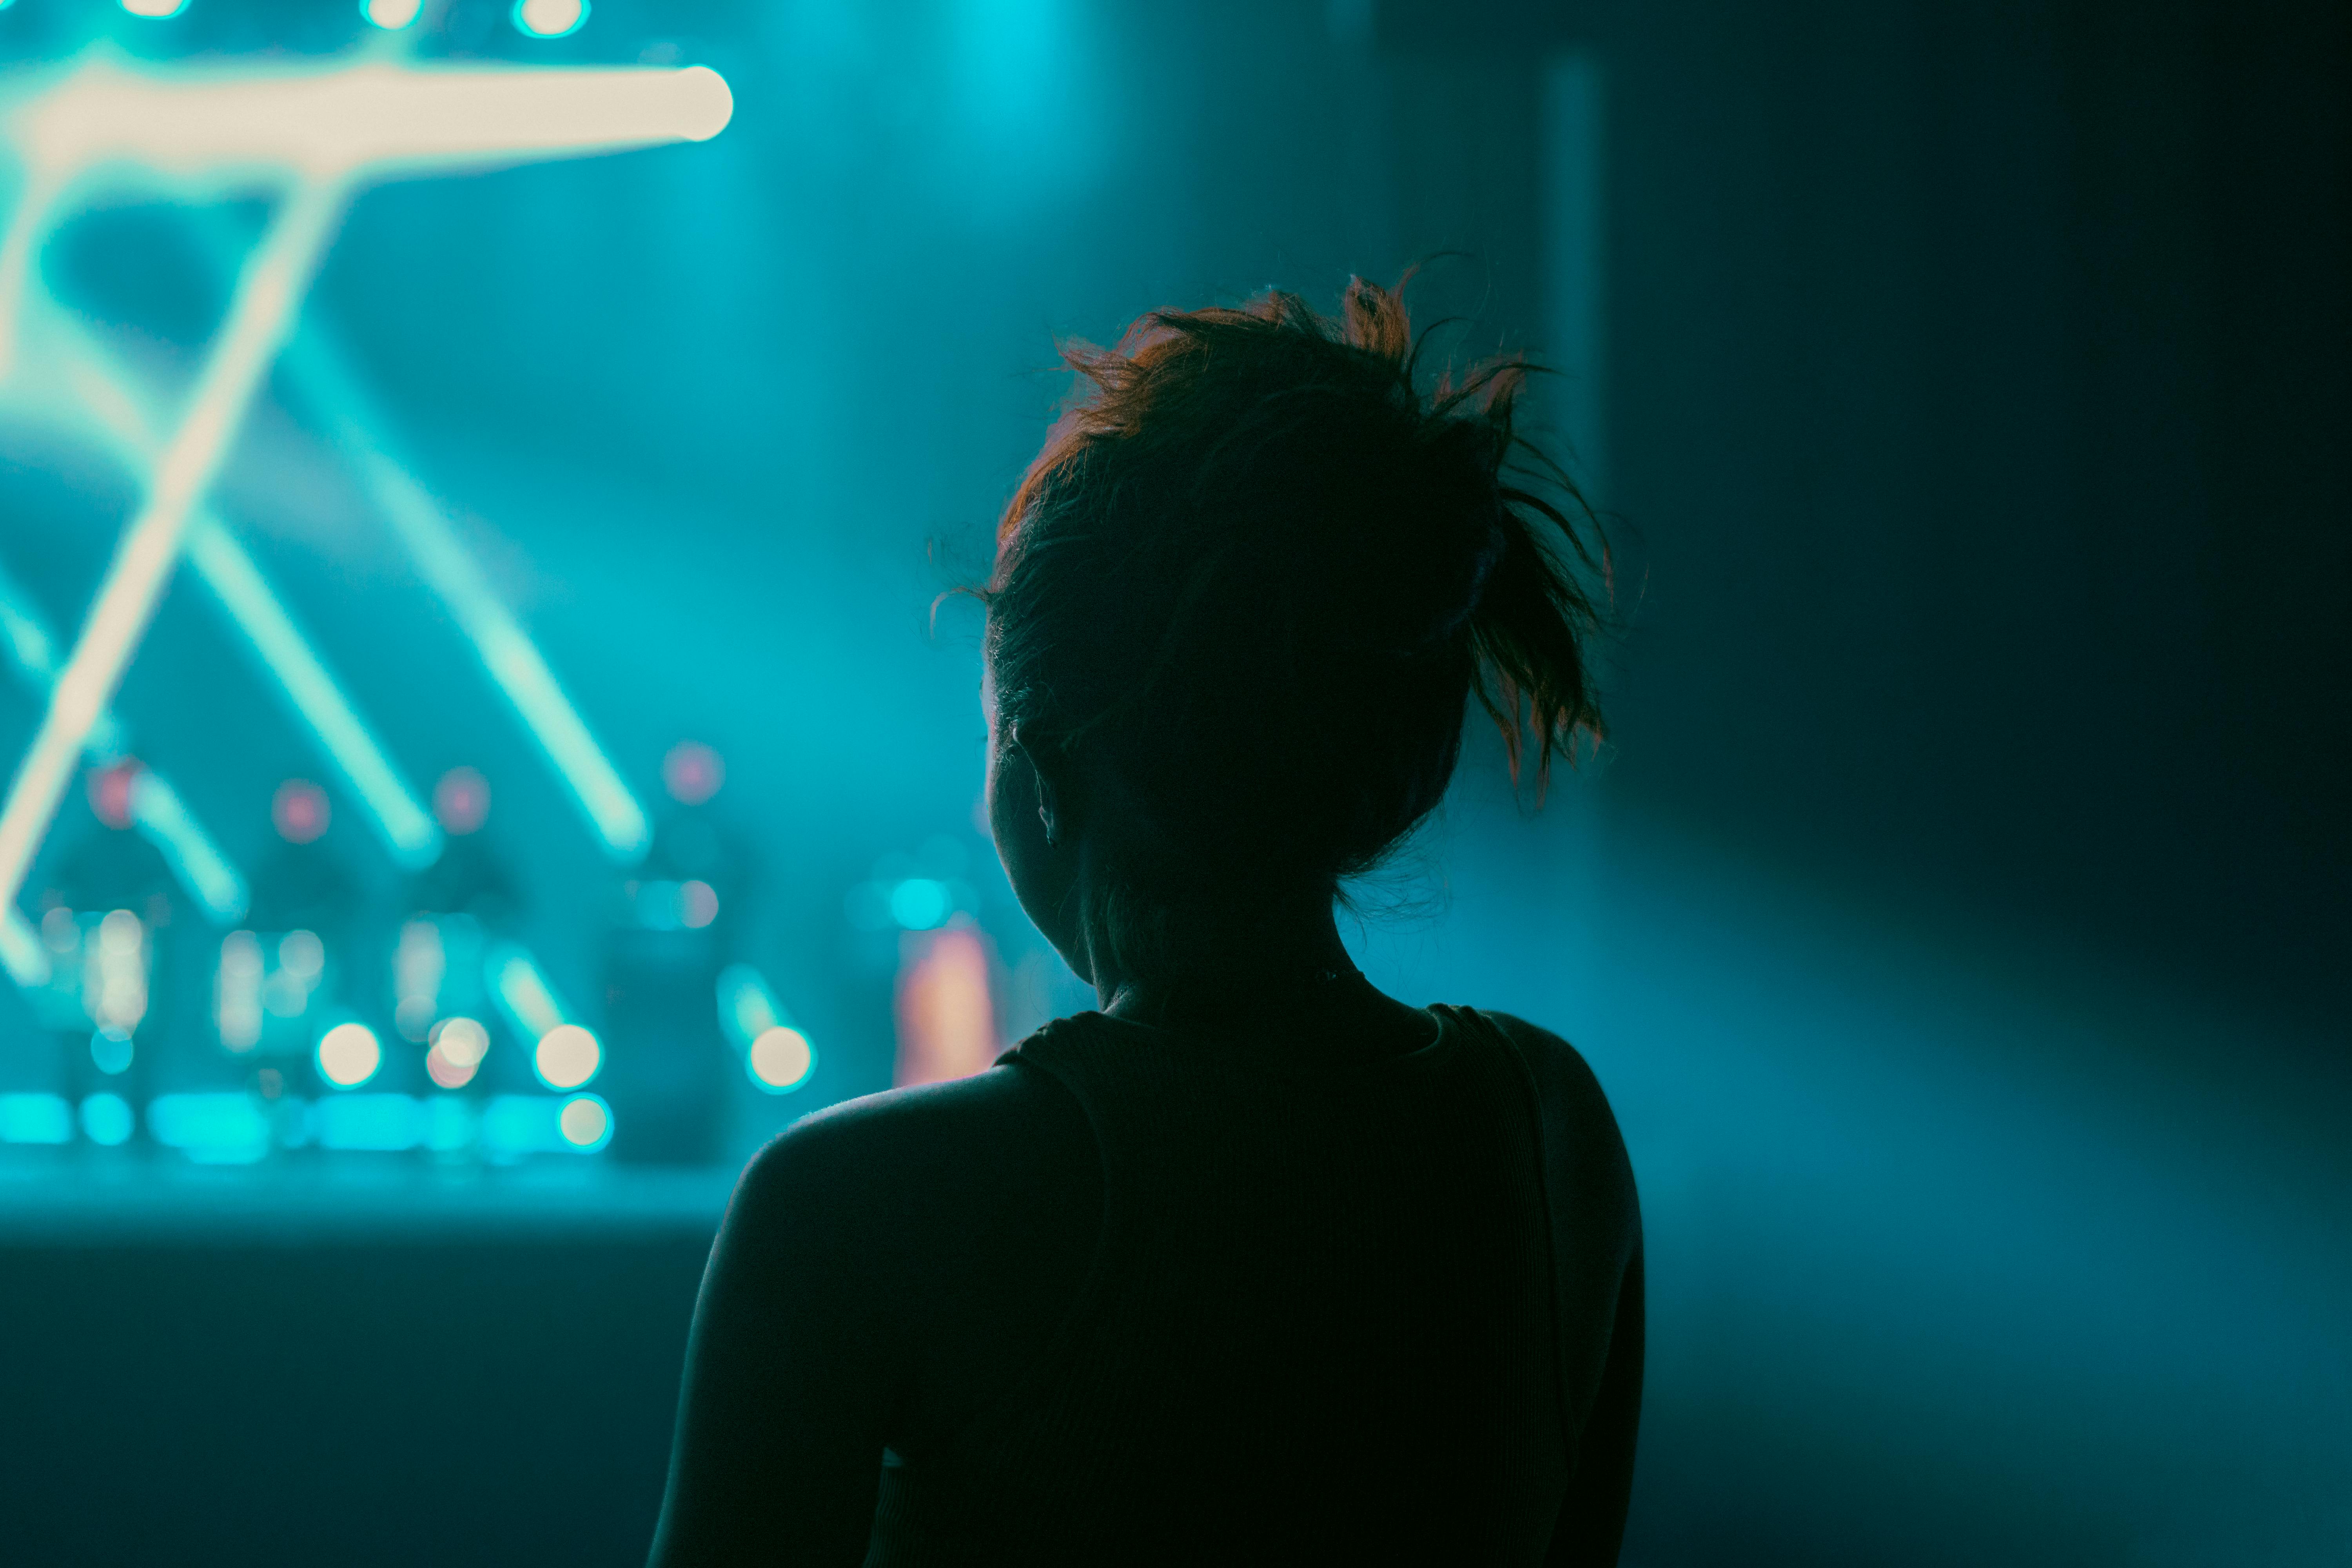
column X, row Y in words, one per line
column 1258, row 572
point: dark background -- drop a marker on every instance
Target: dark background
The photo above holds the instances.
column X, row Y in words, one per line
column 1960, row 918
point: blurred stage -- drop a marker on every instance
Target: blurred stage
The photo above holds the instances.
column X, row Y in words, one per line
column 541, row 777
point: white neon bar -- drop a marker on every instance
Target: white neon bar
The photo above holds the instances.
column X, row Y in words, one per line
column 374, row 115
column 266, row 293
column 392, row 809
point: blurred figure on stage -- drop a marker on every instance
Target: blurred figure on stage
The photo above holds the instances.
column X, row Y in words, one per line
column 455, row 909
column 668, row 1067
column 111, row 926
column 293, row 973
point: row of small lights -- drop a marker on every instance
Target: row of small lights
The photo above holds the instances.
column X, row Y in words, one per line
column 539, row 18
column 584, row 1123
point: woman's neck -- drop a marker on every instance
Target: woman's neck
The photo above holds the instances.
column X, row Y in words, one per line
column 1281, row 968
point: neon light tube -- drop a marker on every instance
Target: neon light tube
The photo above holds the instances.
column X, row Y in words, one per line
column 374, row 115
column 162, row 818
column 400, row 819
column 263, row 304
column 747, row 1008
column 29, row 224
column 523, row 992
column 512, row 662
column 21, row 951
column 507, row 655
column 32, row 651
column 156, row 809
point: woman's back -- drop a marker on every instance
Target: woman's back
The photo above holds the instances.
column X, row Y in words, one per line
column 1318, row 1321
column 1281, row 1298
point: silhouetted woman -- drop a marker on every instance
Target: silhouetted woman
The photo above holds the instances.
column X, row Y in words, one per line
column 1254, row 1264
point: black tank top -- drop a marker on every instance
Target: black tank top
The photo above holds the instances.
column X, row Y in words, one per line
column 1318, row 1324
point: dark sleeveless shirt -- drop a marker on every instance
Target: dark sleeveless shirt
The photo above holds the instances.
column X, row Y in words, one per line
column 1318, row 1325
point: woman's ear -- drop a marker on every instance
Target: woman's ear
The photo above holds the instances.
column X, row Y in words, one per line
column 1051, row 796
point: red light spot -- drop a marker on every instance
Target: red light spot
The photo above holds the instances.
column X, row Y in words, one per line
column 461, row 801
column 692, row 773
column 298, row 810
column 109, row 792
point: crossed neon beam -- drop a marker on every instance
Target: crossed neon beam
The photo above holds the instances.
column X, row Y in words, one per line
column 316, row 136
column 156, row 809
column 95, row 399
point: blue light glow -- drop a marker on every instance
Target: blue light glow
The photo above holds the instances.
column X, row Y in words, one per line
column 163, row 818
column 515, row 1124
column 919, row 903
column 36, row 1118
column 110, row 1052
column 451, row 1123
column 747, row 1008
column 223, row 1128
column 384, row 1123
column 523, row 992
column 106, row 1119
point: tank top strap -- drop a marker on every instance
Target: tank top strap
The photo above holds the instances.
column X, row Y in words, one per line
column 1545, row 1112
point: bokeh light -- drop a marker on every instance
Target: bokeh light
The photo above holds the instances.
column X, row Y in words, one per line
column 586, row 1122
column 349, row 1055
column 110, row 792
column 155, row 10
column 461, row 802
column 781, row 1060
column 390, row 14
column 920, row 903
column 35, row 1119
column 106, row 1119
column 458, row 1046
column 463, row 1040
column 549, row 18
column 301, row 952
column 568, row 1056
column 697, row 906
column 692, row 773
column 298, row 810
column 446, row 1073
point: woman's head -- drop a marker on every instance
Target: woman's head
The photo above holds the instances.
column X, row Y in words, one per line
column 1241, row 601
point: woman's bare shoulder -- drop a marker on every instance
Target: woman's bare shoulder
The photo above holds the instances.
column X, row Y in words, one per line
column 938, row 1150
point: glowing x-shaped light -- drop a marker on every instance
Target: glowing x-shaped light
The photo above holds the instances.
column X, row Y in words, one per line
column 317, row 135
